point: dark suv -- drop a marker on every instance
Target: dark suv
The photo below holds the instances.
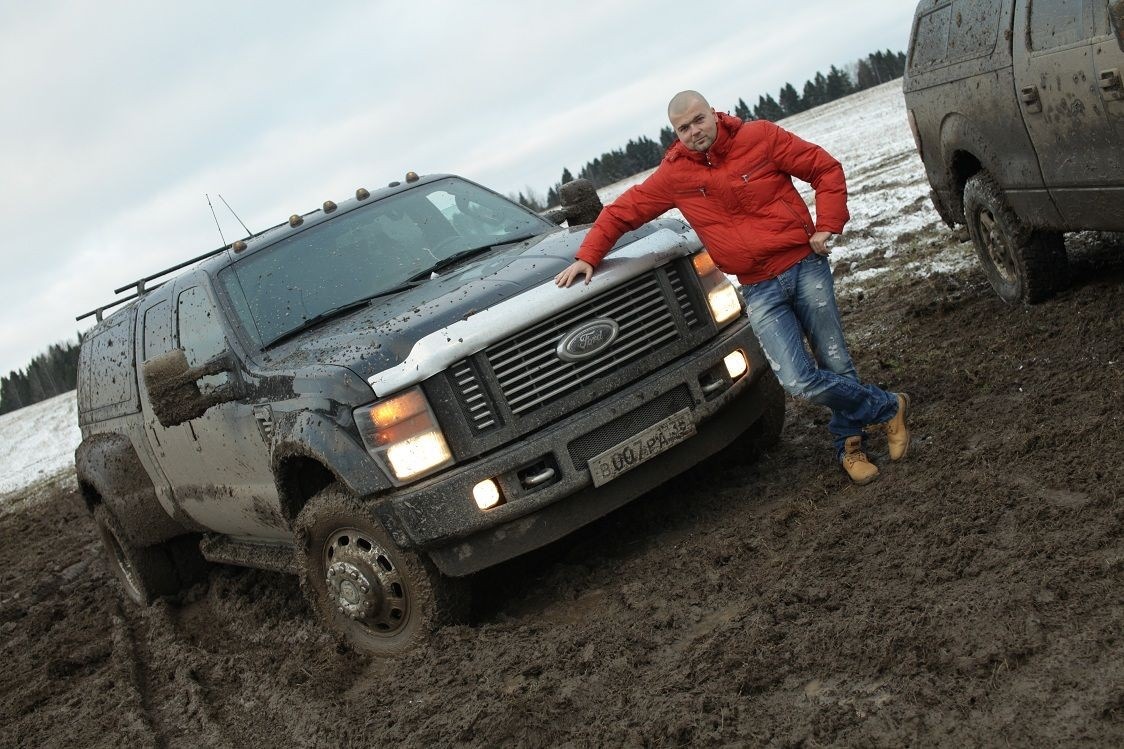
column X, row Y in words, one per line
column 1018, row 111
column 388, row 395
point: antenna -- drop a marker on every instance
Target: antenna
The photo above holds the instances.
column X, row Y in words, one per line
column 208, row 197
column 248, row 232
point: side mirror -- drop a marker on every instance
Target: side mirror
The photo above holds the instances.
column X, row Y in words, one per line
column 173, row 386
column 580, row 201
column 554, row 215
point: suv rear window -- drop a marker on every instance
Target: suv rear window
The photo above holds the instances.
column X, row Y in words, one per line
column 107, row 375
column 1059, row 23
column 962, row 30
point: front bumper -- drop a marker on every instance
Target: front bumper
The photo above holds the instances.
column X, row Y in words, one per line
column 440, row 516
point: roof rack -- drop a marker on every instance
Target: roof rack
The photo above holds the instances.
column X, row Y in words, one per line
column 140, row 286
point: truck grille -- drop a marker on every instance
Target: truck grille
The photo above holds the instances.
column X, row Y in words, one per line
column 524, row 371
column 527, row 367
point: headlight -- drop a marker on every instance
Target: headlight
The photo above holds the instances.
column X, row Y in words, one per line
column 721, row 296
column 402, row 433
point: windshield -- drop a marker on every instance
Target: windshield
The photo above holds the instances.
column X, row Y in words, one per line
column 366, row 251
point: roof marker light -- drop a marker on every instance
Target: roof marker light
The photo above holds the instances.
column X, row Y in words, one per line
column 412, row 177
column 295, row 220
column 362, row 194
column 238, row 246
column 329, row 206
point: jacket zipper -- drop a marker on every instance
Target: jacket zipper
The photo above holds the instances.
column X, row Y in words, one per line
column 796, row 216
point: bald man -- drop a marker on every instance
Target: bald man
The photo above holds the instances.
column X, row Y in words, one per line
column 732, row 181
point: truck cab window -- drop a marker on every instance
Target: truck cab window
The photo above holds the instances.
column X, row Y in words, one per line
column 157, row 330
column 200, row 333
column 1059, row 23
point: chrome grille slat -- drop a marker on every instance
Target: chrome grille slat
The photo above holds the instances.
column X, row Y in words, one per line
column 475, row 401
column 526, row 366
column 622, row 350
column 682, row 297
column 563, row 388
column 499, row 353
column 546, row 351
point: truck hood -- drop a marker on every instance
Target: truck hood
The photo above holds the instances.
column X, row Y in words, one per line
column 381, row 336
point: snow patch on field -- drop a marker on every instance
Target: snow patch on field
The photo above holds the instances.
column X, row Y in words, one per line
column 38, row 442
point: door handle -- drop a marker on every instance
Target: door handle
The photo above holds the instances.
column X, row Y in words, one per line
column 1029, row 96
column 1110, row 83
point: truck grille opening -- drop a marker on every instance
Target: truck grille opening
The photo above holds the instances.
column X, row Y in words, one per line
column 623, row 427
column 529, row 371
column 524, row 371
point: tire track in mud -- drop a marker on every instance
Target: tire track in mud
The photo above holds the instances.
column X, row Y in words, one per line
column 174, row 706
column 129, row 664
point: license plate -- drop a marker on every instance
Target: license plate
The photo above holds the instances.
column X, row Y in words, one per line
column 654, row 440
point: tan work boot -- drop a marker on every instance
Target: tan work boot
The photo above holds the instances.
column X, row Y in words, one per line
column 897, row 432
column 855, row 462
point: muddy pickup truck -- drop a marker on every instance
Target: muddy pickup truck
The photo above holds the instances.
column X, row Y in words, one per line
column 1018, row 112
column 387, row 395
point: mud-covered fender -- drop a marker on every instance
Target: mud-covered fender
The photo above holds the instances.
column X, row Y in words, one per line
column 960, row 138
column 108, row 465
column 313, row 435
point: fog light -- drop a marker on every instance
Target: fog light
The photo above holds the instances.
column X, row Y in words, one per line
column 736, row 364
column 486, row 494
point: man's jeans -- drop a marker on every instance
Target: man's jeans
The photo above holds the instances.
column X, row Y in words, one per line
column 801, row 302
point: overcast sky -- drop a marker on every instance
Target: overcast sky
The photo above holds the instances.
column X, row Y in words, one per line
column 118, row 117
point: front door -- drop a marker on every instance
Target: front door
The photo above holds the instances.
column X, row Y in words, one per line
column 218, row 465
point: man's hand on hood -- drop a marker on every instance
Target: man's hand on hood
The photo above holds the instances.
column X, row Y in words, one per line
column 577, row 268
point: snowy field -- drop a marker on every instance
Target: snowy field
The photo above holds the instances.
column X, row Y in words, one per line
column 38, row 442
column 889, row 199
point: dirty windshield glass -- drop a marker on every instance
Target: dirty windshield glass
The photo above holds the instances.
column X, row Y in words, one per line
column 366, row 251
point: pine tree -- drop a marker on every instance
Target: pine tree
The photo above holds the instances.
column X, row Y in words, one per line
column 566, row 176
column 742, row 112
column 790, row 100
column 865, row 76
column 667, row 137
column 838, row 84
column 767, row 109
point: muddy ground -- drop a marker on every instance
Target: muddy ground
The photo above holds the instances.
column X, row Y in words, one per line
column 972, row 596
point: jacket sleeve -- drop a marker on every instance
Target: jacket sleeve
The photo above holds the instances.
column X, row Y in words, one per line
column 634, row 208
column 814, row 165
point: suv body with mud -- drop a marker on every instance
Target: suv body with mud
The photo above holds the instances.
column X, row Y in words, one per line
column 391, row 394
column 1018, row 112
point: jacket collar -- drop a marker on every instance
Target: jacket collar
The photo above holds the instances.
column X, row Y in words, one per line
column 727, row 126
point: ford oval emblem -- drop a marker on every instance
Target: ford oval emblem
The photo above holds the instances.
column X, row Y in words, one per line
column 588, row 340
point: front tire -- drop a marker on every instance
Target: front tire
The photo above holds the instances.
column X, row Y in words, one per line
column 145, row 573
column 1024, row 265
column 378, row 598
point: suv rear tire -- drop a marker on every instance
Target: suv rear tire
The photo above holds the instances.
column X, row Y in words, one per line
column 380, row 599
column 1023, row 264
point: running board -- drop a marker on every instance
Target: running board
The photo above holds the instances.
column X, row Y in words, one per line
column 278, row 557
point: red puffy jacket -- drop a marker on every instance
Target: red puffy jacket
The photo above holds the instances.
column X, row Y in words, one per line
column 738, row 197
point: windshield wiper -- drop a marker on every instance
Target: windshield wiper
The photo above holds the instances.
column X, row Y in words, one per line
column 456, row 257
column 337, row 311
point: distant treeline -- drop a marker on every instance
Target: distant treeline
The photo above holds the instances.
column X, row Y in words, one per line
column 643, row 153
column 49, row 374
